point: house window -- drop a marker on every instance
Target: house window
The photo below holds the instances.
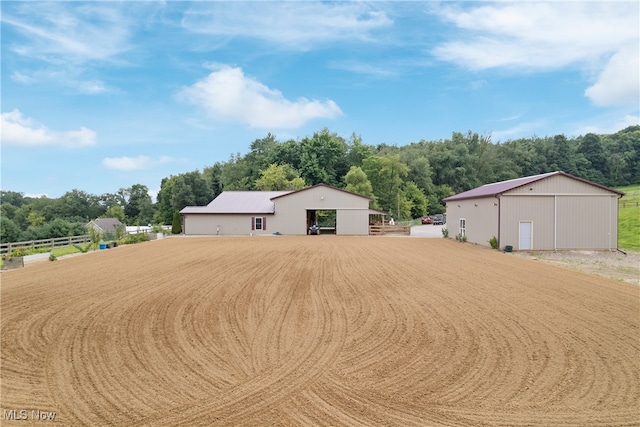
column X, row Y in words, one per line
column 258, row 223
column 462, row 227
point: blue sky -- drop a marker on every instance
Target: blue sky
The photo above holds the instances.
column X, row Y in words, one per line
column 102, row 95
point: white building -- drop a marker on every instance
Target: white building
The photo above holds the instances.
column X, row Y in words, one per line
column 552, row 211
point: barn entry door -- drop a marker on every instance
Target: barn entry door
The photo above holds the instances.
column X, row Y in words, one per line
column 525, row 236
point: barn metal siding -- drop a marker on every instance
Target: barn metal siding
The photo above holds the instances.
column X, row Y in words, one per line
column 587, row 222
column 481, row 218
column 224, row 224
column 565, row 213
column 571, row 214
column 352, row 222
column 559, row 184
column 536, row 209
column 352, row 210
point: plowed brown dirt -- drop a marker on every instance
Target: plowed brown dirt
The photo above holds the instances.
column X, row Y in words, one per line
column 317, row 331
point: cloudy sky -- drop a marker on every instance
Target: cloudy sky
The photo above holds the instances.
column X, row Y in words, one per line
column 101, row 95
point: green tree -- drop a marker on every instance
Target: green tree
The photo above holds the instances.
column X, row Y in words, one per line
column 78, row 204
column 260, row 156
column 417, row 199
column 357, row 182
column 387, row 174
column 164, row 207
column 357, row 151
column 12, row 197
column 138, row 207
column 116, row 211
column 234, row 174
column 7, row 210
column 176, row 225
column 323, row 158
column 279, row 177
column 9, row 231
column 35, row 219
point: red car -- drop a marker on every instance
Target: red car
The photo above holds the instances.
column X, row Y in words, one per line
column 426, row 220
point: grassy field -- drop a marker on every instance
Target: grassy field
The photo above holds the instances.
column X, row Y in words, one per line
column 629, row 218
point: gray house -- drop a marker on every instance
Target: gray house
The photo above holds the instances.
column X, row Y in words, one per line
column 551, row 211
column 106, row 225
column 282, row 212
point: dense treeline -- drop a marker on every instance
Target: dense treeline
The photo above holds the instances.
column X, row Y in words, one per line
column 408, row 181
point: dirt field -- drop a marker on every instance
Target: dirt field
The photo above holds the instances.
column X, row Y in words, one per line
column 317, row 331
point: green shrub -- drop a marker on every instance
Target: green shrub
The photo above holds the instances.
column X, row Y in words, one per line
column 52, row 257
column 445, row 232
column 135, row 238
column 493, row 242
column 23, row 251
column 85, row 248
column 176, row 225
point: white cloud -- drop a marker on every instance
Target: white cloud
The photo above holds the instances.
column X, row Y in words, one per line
column 227, row 94
column 517, row 131
column 129, row 164
column 608, row 126
column 601, row 38
column 23, row 131
column 92, row 87
column 619, row 82
column 296, row 25
column 364, row 68
column 63, row 33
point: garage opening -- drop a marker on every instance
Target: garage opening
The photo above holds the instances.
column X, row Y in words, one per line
column 321, row 221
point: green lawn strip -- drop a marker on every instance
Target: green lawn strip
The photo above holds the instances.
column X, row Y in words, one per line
column 629, row 218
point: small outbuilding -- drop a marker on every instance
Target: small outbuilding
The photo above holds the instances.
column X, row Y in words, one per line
column 551, row 211
column 107, row 226
column 280, row 212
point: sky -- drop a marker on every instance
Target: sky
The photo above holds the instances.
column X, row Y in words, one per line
column 101, row 95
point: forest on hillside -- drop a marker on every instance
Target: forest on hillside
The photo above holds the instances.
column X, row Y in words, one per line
column 409, row 181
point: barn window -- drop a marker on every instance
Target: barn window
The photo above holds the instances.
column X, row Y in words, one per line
column 463, row 227
column 258, row 223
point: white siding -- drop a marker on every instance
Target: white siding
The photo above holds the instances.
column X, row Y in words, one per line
column 352, row 222
column 224, row 224
column 481, row 217
column 587, row 222
column 352, row 210
column 565, row 213
column 537, row 209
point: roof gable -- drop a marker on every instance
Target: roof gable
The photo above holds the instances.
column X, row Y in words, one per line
column 496, row 188
column 239, row 202
column 322, row 185
column 106, row 224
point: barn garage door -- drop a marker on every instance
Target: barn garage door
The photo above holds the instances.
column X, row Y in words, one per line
column 525, row 236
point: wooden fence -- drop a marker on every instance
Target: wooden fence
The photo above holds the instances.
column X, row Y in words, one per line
column 629, row 204
column 44, row 243
column 381, row 229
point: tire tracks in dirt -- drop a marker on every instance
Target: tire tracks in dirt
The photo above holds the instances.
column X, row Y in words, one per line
column 318, row 330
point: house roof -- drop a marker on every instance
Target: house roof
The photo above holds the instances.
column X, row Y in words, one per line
column 234, row 202
column 258, row 202
column 496, row 188
column 107, row 224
